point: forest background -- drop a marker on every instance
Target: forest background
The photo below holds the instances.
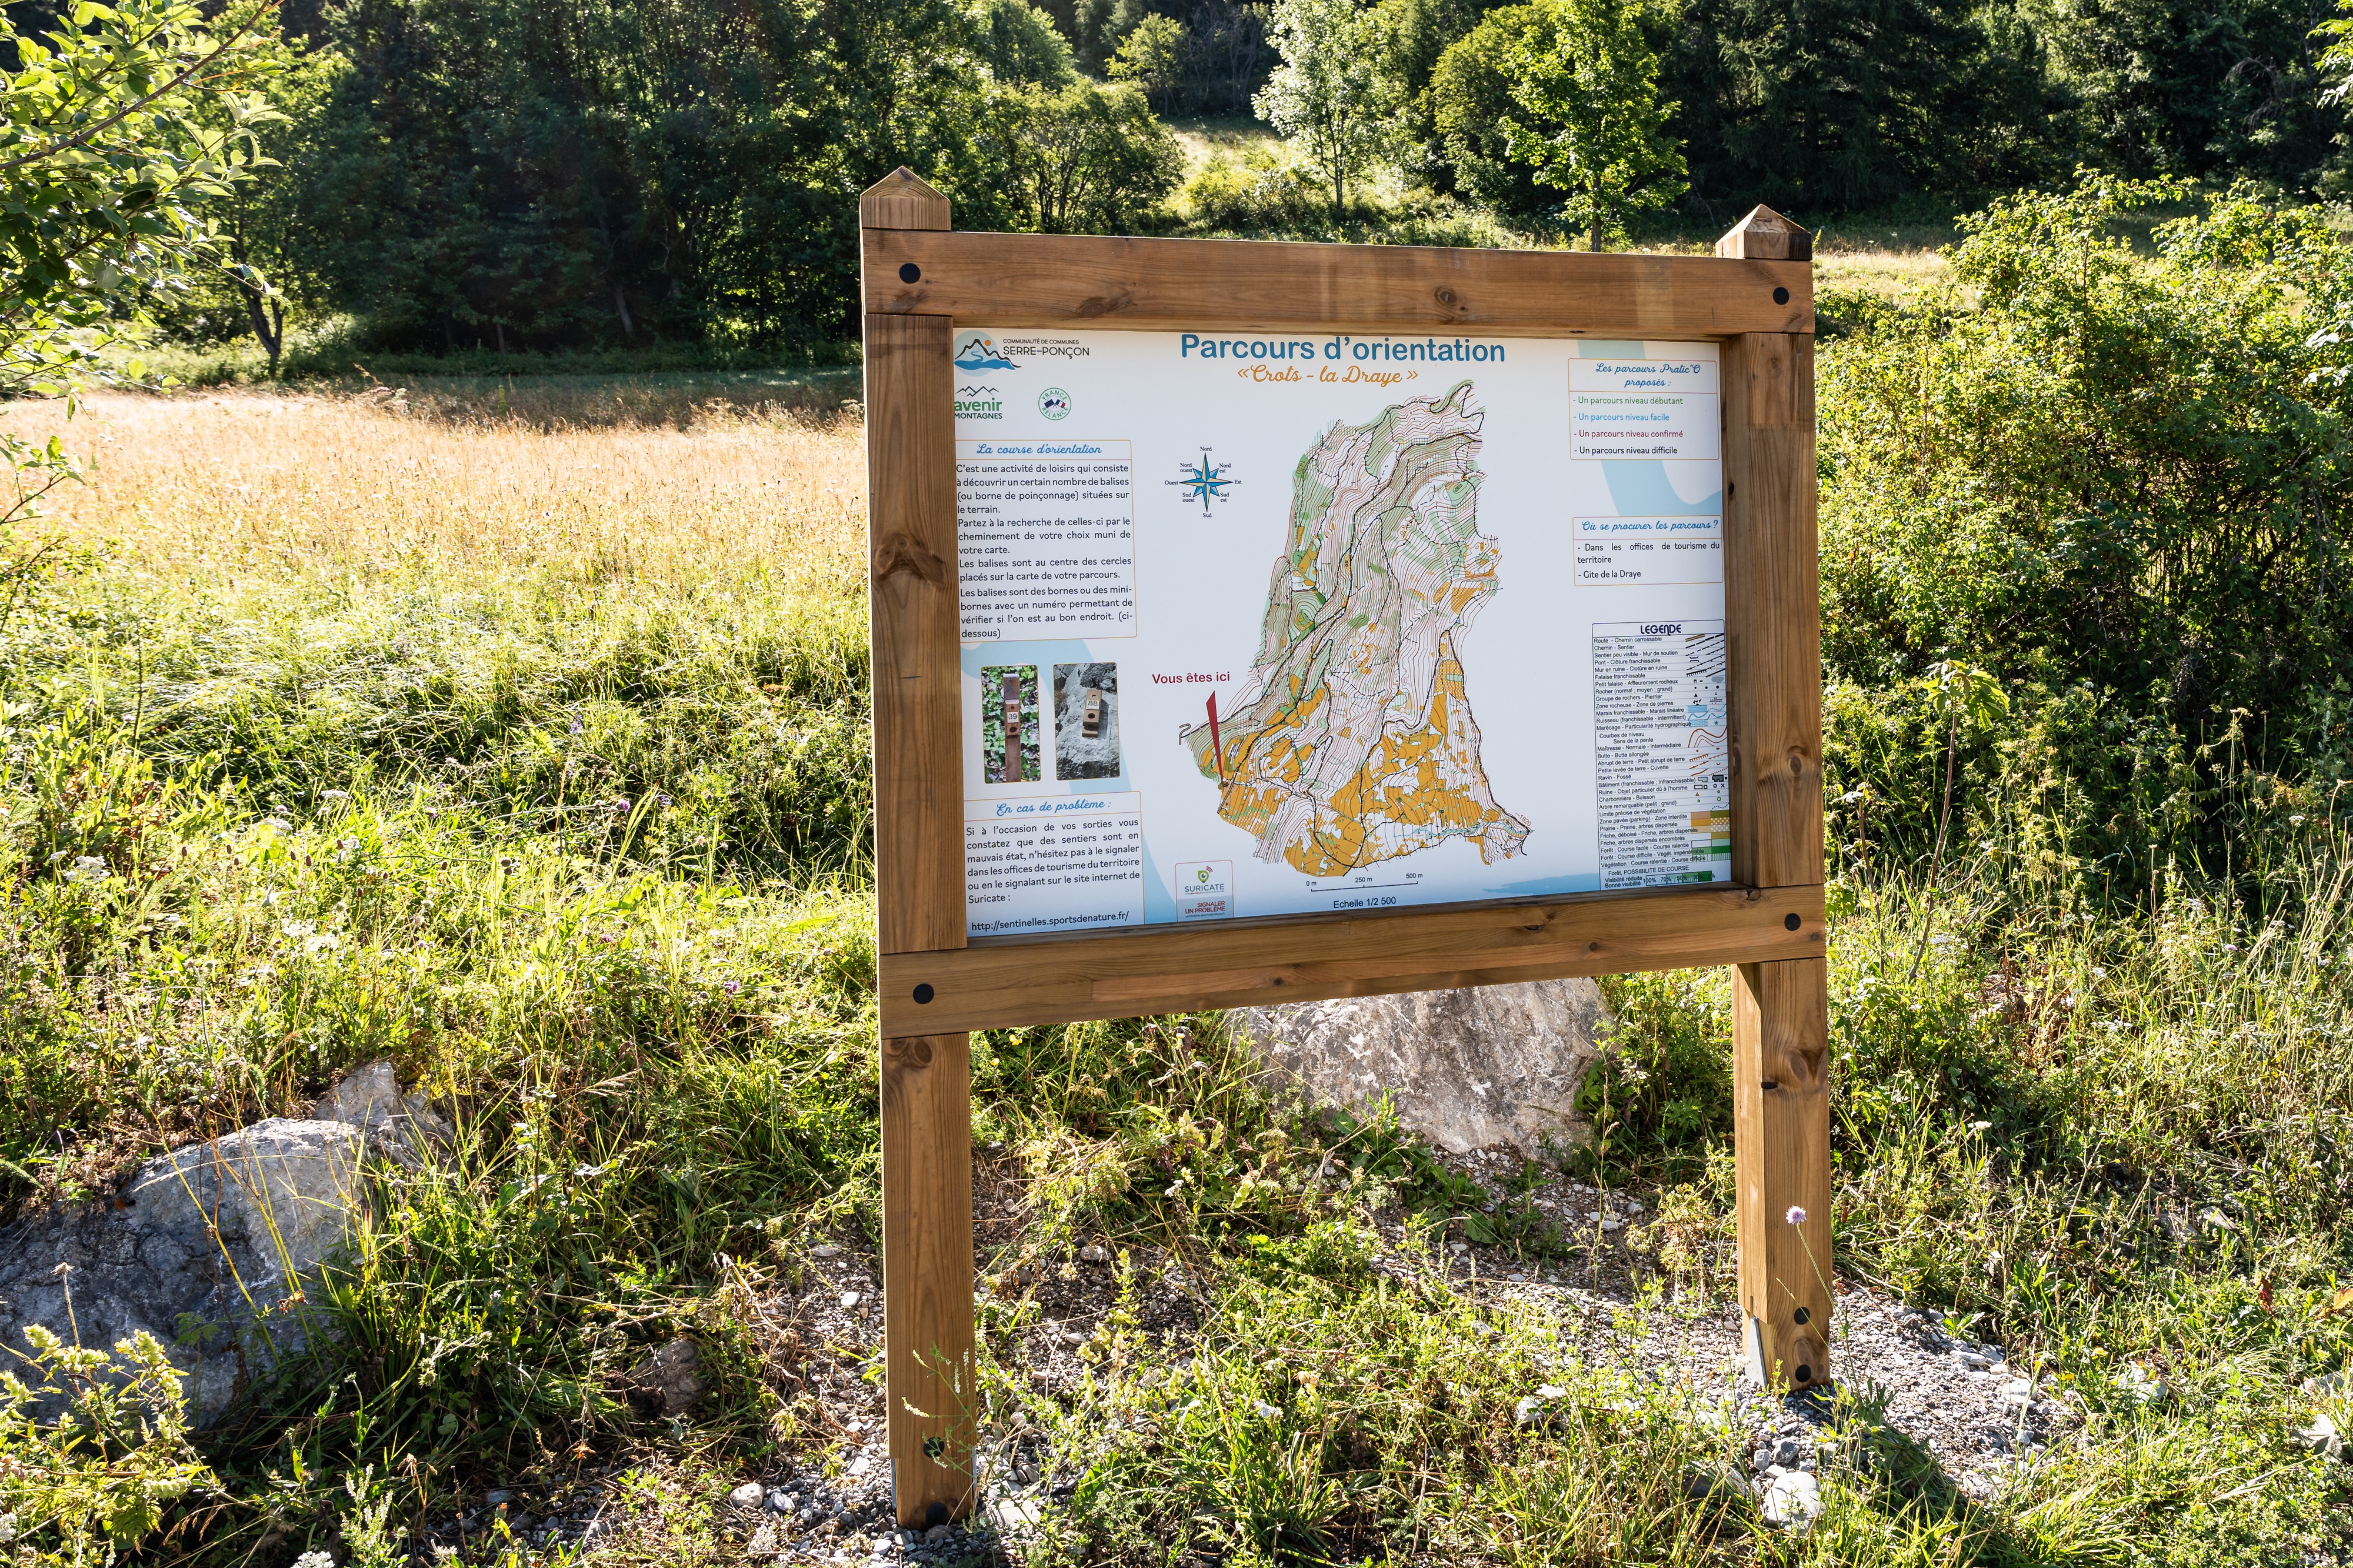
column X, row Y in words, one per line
column 506, row 175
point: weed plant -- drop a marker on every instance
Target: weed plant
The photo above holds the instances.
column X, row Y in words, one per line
column 525, row 748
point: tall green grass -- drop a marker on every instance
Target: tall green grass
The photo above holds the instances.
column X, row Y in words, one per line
column 582, row 851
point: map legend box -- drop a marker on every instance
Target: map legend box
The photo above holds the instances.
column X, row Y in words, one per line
column 1662, row 758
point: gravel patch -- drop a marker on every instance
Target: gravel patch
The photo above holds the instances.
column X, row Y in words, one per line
column 1956, row 1414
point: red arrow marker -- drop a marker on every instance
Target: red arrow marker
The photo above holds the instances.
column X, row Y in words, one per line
column 1216, row 747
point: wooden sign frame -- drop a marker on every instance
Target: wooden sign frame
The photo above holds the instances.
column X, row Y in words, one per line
column 1754, row 297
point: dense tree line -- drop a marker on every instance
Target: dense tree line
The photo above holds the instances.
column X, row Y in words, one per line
column 512, row 174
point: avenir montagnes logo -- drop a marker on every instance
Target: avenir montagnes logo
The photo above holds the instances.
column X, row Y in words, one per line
column 976, row 352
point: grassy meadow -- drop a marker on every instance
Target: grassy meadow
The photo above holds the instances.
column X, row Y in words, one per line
column 516, row 732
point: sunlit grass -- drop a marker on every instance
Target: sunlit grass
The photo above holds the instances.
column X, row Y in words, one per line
column 670, row 482
column 517, row 733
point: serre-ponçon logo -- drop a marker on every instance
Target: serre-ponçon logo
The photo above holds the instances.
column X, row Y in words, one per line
column 976, row 351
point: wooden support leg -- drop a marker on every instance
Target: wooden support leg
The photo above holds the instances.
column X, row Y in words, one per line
column 1781, row 1125
column 927, row 1274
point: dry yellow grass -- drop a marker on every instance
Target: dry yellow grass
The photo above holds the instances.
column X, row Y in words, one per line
column 1891, row 272
column 222, row 492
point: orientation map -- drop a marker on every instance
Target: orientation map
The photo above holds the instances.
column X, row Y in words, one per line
column 1261, row 625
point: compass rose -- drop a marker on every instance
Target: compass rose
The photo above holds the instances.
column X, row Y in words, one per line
column 1203, row 481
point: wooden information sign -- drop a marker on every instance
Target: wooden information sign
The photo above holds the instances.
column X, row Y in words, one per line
column 1177, row 549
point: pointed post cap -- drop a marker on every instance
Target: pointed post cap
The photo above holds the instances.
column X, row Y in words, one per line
column 1763, row 236
column 901, row 200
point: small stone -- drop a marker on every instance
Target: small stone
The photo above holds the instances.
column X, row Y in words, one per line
column 824, row 1249
column 848, row 1299
column 2322, row 1436
column 667, row 1383
column 938, row 1533
column 1091, row 1253
column 1789, row 1451
column 497, row 1499
column 1760, row 1459
column 1793, row 1500
column 1972, row 1360
column 1016, row 1516
column 782, row 1501
column 1710, row 1483
column 2019, row 1391
column 750, row 1494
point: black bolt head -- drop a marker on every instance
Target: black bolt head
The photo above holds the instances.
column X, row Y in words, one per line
column 925, row 992
column 910, row 273
column 1780, row 296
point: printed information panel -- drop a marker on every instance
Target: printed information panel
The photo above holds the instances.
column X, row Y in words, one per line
column 1260, row 625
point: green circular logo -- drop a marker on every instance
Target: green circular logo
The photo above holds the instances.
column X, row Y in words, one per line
column 1054, row 402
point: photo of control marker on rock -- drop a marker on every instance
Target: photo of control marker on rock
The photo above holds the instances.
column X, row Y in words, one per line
column 1086, row 720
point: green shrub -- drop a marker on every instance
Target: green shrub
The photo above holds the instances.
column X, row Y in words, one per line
column 93, row 1478
column 2115, row 483
column 1256, row 191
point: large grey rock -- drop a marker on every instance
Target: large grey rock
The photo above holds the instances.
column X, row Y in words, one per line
column 1468, row 1069
column 208, row 1248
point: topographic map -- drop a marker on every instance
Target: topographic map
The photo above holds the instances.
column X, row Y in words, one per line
column 1353, row 741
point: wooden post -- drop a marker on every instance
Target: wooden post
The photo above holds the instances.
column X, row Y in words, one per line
column 1780, row 1014
column 926, row 1080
